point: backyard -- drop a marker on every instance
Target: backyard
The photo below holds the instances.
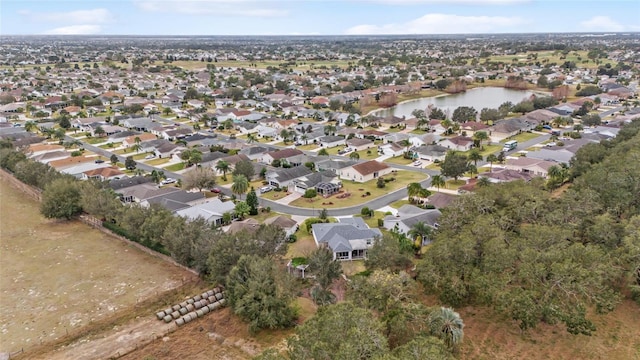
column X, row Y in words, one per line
column 357, row 191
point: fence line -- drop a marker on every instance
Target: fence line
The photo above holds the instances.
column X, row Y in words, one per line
column 31, row 191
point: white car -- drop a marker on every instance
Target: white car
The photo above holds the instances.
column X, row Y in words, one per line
column 150, row 156
column 417, row 163
column 168, row 181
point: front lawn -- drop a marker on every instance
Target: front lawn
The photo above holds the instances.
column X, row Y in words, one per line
column 522, row 137
column 156, row 162
column 372, row 221
column 111, row 145
column 418, row 132
column 373, row 154
column 453, row 184
column 358, row 191
column 273, row 195
column 307, row 147
column 399, row 203
column 400, row 160
column 175, row 167
column 94, row 141
column 334, row 150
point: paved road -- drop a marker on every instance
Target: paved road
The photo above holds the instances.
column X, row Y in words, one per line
column 610, row 112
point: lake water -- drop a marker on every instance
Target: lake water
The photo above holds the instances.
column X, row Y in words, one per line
column 478, row 98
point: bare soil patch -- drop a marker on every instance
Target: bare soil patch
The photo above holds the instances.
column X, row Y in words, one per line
column 60, row 278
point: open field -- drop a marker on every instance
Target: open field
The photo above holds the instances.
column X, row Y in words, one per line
column 59, row 277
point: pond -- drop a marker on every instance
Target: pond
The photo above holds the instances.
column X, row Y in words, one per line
column 478, row 98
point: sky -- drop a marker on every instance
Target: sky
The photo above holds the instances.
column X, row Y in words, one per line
column 315, row 17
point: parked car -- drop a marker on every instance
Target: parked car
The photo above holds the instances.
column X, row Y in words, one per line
column 168, row 181
column 215, row 190
column 265, row 189
column 150, row 156
column 417, row 163
column 99, row 161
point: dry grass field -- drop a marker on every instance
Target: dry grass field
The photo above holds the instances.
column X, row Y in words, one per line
column 61, row 277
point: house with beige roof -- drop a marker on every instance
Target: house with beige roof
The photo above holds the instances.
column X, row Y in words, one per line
column 365, row 171
column 535, row 167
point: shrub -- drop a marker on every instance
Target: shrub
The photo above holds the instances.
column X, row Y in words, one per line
column 380, row 223
column 278, row 189
column 291, row 239
column 310, row 193
column 366, row 211
column 381, row 183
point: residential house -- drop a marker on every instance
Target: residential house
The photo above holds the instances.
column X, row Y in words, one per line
column 348, row 239
column 175, row 200
column 409, row 215
column 458, row 143
column 141, row 192
column 143, row 137
column 334, row 165
column 506, row 175
column 331, row 141
column 431, row 152
column 365, row 171
column 508, row 128
column 440, row 200
column 359, row 144
column 471, row 127
column 211, row 211
column 268, row 157
column 535, row 167
column 255, row 152
column 249, row 225
column 282, row 177
column 392, row 149
column 167, row 149
column 287, row 224
column 425, row 139
column 310, row 181
column 103, row 174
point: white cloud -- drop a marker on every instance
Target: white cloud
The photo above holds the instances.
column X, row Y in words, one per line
column 75, row 30
column 601, row 23
column 93, row 16
column 441, row 24
column 212, row 7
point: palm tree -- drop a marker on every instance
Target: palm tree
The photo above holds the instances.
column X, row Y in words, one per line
column 555, row 172
column 578, row 127
column 475, row 156
column 59, row 134
column 438, row 181
column 329, row 130
column 251, row 138
column 448, row 326
column 413, row 190
column 224, row 167
column 240, row 184
column 30, row 125
column 195, row 157
column 483, row 182
column 354, row 156
column 420, row 229
column 304, row 138
column 157, row 176
column 480, row 136
column 491, row 158
column 284, row 134
column 136, row 148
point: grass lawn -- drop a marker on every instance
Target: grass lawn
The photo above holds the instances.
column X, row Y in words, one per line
column 94, row 141
column 434, row 166
column 453, row 184
column 110, row 145
column 400, row 160
column 373, row 220
column 264, row 215
column 303, row 246
column 522, row 137
column 363, row 154
column 175, row 167
column 358, row 189
column 399, row 203
column 307, row 147
column 274, row 195
column 350, row 268
column 334, row 150
column 418, row 132
column 139, row 156
column 393, row 130
column 156, row 162
column 552, row 57
column 490, row 149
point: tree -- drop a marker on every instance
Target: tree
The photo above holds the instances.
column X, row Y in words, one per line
column 354, row 156
column 102, row 203
column 129, row 163
column 324, row 214
column 448, row 326
column 323, row 152
column 437, row 114
column 438, row 181
column 240, row 184
column 197, row 178
column 242, row 209
column 421, row 230
column 224, row 167
column 64, row 122
column 244, row 167
column 487, row 114
column 329, row 130
column 483, row 182
column 252, row 201
column 59, row 134
column 480, row 136
column 388, row 253
column 454, row 165
column 335, row 105
column 195, row 156
column 523, row 107
column 30, row 126
column 326, row 269
column 61, row 199
column 475, row 156
column 158, row 176
column 341, row 332
column 413, row 190
column 255, row 294
column 591, row 120
column 99, row 131
column 491, row 158
column 166, row 111
column 285, row 134
column 463, row 114
column 380, row 183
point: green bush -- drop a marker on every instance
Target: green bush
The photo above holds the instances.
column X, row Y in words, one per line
column 310, row 193
column 380, row 222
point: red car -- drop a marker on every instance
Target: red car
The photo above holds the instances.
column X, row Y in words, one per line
column 215, row 190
